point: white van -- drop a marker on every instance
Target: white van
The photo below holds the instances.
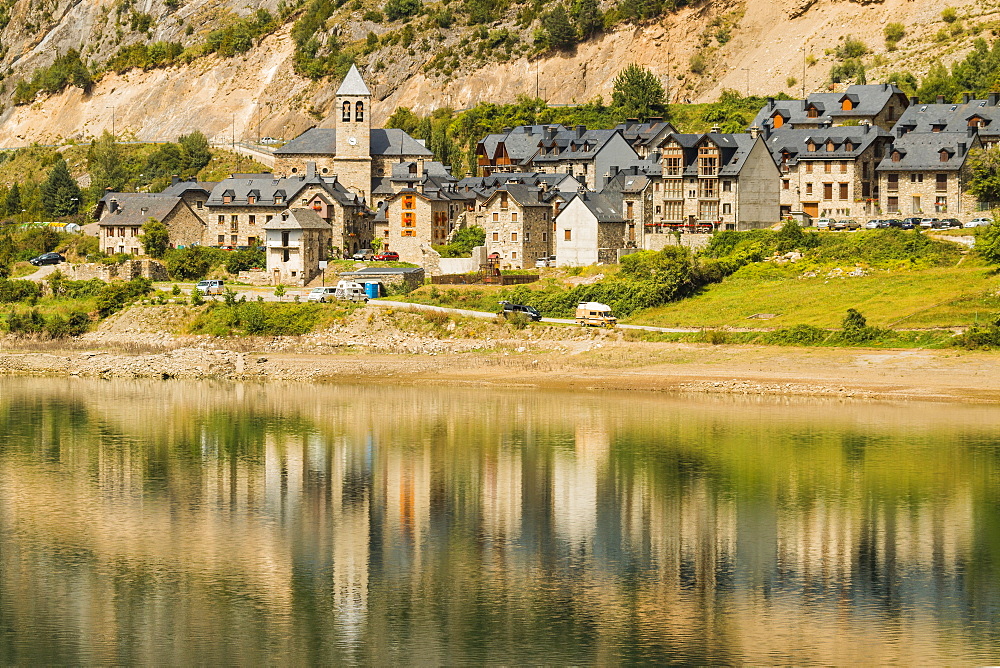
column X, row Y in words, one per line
column 595, row 314
column 210, row 287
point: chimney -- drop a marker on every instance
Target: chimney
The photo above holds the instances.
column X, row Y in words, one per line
column 966, row 97
column 635, row 170
column 506, row 130
column 993, row 98
column 940, row 99
column 526, row 129
column 961, row 149
column 581, row 130
column 310, row 170
column 112, row 205
column 770, row 103
column 174, row 179
column 754, row 131
column 866, row 124
column 900, row 131
column 972, row 131
column 715, row 129
column 420, row 166
column 613, row 170
column 914, row 100
column 144, row 210
column 550, row 132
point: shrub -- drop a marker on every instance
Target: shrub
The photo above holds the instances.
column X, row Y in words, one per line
column 799, row 335
column 987, row 336
column 374, row 16
column 851, row 48
column 894, row 32
column 398, row 9
column 949, row 15
column 116, row 295
column 13, row 290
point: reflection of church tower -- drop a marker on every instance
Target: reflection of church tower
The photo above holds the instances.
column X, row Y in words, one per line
column 353, row 114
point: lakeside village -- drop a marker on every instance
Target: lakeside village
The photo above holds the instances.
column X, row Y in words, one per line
column 571, row 196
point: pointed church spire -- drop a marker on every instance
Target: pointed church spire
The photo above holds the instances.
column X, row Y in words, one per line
column 353, row 84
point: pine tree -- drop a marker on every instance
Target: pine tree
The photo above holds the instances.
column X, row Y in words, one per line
column 637, row 93
column 559, row 31
column 14, row 200
column 60, row 193
column 587, row 14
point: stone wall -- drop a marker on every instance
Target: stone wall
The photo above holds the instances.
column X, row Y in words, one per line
column 695, row 242
column 126, row 271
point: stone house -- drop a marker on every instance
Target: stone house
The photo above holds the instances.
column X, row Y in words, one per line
column 518, row 221
column 351, row 150
column 926, row 173
column 828, row 172
column 715, row 181
column 194, row 193
column 242, row 204
column 415, row 220
column 880, row 105
column 589, row 229
column 983, row 115
column 122, row 216
column 587, row 155
column 296, row 240
column 636, row 187
column 645, row 138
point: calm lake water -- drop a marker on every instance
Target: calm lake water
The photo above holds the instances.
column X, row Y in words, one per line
column 208, row 523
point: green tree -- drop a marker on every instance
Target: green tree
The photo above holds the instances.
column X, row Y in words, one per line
column 403, row 119
column 398, row 9
column 588, row 18
column 60, row 193
column 188, row 264
column 155, row 238
column 195, row 153
column 988, row 243
column 985, row 168
column 559, row 33
column 106, row 164
column 637, row 93
column 13, row 203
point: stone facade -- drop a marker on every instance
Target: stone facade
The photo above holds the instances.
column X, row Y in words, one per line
column 929, row 194
column 296, row 240
column 415, row 221
column 120, row 230
column 518, row 232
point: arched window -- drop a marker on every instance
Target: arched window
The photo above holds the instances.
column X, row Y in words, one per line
column 359, row 112
column 347, row 113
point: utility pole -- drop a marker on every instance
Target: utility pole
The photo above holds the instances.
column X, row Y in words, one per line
column 803, row 71
column 112, row 108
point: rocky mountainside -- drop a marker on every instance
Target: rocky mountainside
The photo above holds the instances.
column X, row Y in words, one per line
column 433, row 59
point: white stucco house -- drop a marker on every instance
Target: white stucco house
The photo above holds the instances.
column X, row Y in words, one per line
column 590, row 228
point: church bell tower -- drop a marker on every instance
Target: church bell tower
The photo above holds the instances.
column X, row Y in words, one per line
column 353, row 162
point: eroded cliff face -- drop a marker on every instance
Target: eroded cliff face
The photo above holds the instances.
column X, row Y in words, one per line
column 763, row 50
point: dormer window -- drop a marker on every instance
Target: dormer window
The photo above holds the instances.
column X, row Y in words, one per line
column 830, row 147
column 847, row 105
column 943, row 156
column 346, row 116
column 226, row 199
column 896, row 156
column 811, row 112
column 359, row 112
column 278, row 199
column 848, row 147
column 251, row 199
column 811, row 147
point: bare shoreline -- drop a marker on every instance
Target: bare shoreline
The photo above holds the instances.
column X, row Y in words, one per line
column 911, row 374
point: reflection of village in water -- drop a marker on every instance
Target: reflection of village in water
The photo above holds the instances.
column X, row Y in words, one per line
column 386, row 525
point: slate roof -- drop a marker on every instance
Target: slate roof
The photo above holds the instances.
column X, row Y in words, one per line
column 410, row 170
column 383, row 142
column 525, row 195
column 572, row 145
column 353, row 84
column 953, row 117
column 181, row 187
column 921, row 151
column 867, row 101
column 795, row 142
column 269, row 187
column 137, row 208
column 606, row 207
column 297, row 219
column 643, row 135
column 520, row 143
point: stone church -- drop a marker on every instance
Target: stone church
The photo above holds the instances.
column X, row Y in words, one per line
column 351, row 150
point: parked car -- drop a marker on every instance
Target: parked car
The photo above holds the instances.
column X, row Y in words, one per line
column 349, row 291
column 906, row 224
column 545, row 261
column 824, row 224
column 951, row 222
column 214, row 287
column 363, row 254
column 852, row 224
column 928, row 223
column 269, row 140
column 47, row 258
column 873, row 224
column 894, row 222
column 979, row 222
column 388, row 256
column 509, row 309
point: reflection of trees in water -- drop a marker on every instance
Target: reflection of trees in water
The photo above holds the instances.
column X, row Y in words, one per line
column 559, row 528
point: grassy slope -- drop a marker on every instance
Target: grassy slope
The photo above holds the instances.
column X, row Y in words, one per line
column 936, row 297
